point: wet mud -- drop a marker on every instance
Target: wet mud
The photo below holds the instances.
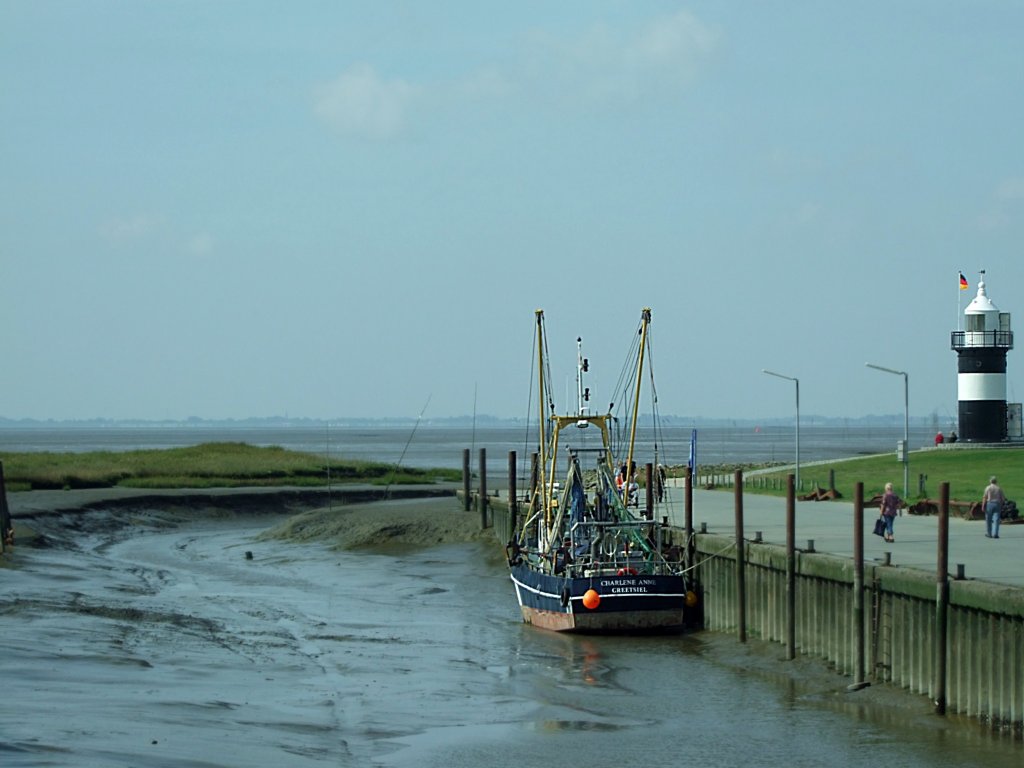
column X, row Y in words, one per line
column 147, row 637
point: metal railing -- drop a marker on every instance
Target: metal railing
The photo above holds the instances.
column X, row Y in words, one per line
column 970, row 339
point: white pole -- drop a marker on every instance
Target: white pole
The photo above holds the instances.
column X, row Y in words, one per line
column 906, row 422
column 797, row 382
column 906, row 435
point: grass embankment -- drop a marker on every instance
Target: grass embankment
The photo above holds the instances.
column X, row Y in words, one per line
column 967, row 472
column 210, row 465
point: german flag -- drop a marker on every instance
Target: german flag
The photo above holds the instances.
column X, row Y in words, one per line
column 963, row 282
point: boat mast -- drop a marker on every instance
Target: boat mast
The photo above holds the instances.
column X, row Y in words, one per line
column 542, row 481
column 645, row 320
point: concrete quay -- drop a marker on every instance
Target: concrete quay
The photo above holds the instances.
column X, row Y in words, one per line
column 830, row 525
column 957, row 640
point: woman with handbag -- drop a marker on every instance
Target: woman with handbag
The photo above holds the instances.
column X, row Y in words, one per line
column 890, row 507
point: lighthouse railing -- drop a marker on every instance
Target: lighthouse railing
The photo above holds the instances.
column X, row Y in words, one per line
column 969, row 339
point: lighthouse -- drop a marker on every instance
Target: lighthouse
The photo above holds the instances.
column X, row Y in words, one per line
column 981, row 369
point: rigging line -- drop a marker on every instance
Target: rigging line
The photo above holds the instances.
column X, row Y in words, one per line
column 472, row 439
column 628, row 381
column 650, row 364
column 529, row 404
column 709, row 558
column 628, row 367
column 391, row 480
column 624, row 386
column 547, row 370
column 655, row 409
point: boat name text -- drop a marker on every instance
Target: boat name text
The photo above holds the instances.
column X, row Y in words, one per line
column 626, row 586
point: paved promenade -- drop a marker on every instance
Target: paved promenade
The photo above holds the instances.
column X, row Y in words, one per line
column 830, row 525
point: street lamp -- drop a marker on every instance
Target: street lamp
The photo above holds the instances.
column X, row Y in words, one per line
column 906, row 422
column 797, row 382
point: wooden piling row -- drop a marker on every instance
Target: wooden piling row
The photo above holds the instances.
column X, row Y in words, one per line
column 887, row 619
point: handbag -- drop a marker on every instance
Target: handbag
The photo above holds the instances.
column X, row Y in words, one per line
column 879, row 527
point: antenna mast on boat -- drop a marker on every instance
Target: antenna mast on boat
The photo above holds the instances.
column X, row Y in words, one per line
column 582, row 393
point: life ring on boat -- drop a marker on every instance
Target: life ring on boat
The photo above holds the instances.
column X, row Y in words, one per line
column 566, row 594
column 627, row 572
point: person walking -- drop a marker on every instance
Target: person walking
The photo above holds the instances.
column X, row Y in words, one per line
column 890, row 507
column 992, row 503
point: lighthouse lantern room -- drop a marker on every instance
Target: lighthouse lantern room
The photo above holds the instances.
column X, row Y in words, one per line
column 981, row 369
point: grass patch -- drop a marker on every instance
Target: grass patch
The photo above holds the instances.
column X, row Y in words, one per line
column 209, row 465
column 967, row 471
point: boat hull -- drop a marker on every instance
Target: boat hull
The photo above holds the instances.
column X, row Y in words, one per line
column 628, row 602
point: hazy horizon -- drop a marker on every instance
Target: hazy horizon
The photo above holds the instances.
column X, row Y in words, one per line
column 673, row 420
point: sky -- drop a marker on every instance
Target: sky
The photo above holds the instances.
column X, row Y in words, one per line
column 329, row 209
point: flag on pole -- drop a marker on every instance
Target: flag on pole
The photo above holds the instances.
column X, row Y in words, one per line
column 963, row 282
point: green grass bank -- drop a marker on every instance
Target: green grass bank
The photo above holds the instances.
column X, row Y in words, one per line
column 967, row 471
column 208, row 465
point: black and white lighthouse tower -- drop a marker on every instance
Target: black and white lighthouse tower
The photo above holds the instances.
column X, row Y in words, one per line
column 981, row 364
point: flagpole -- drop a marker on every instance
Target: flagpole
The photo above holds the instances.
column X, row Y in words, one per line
column 962, row 286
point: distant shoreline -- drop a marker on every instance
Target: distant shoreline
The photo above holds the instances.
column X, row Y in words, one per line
column 462, row 422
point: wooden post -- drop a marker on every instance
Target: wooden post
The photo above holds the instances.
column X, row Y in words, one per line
column 741, row 566
column 5, row 512
column 942, row 600
column 513, row 501
column 466, row 493
column 483, row 487
column 688, row 503
column 858, row 583
column 790, row 568
column 649, row 477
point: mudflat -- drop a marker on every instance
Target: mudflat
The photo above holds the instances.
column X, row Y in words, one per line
column 414, row 522
column 344, row 519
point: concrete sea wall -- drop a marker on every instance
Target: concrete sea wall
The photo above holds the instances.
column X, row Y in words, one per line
column 984, row 631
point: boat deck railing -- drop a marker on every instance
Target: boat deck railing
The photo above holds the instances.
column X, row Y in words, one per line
column 603, row 547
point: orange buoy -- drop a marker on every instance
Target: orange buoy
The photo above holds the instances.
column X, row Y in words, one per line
column 591, row 599
column 691, row 598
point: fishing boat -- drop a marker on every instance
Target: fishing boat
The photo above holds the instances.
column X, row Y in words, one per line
column 588, row 555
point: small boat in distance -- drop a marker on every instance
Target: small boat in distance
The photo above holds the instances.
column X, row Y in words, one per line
column 586, row 556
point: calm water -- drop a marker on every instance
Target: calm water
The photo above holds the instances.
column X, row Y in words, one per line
column 442, row 447
column 160, row 644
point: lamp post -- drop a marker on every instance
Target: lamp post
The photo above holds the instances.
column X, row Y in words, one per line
column 906, row 422
column 797, row 382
